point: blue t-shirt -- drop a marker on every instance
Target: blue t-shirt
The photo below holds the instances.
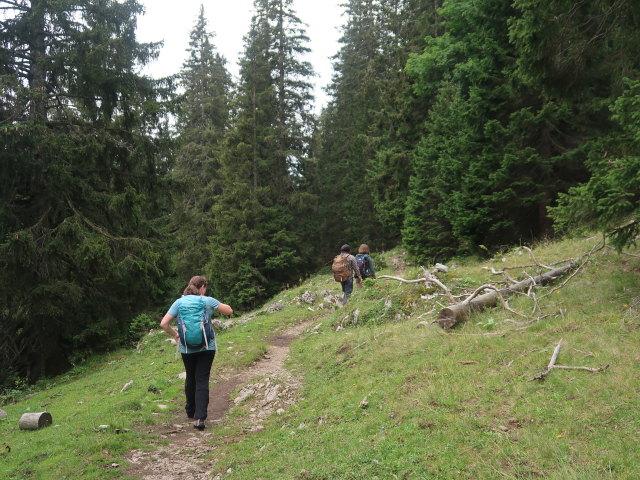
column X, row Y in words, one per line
column 210, row 304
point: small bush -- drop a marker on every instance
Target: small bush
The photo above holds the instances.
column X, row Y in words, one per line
column 141, row 324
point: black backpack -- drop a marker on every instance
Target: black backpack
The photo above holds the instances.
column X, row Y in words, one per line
column 361, row 261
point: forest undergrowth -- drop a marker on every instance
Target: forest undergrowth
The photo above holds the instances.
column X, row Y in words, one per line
column 385, row 392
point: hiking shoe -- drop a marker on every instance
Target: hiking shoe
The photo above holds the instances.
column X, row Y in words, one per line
column 199, row 424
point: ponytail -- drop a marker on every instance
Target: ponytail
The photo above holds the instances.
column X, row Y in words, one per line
column 195, row 284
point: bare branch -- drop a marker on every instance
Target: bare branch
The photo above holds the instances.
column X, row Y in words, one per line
column 535, row 259
column 432, row 278
column 588, row 369
column 552, row 362
column 399, row 279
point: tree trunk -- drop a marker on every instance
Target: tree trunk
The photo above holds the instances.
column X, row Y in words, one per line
column 34, row 421
column 452, row 314
column 37, row 74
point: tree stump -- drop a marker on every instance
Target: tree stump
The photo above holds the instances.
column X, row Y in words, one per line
column 34, row 421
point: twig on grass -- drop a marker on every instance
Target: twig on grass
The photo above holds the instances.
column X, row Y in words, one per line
column 595, row 249
column 588, row 369
column 552, row 362
column 552, row 365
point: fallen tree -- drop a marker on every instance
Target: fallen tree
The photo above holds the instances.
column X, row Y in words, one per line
column 477, row 301
column 449, row 316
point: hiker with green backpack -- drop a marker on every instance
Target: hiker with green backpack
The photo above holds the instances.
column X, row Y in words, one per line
column 197, row 342
column 344, row 267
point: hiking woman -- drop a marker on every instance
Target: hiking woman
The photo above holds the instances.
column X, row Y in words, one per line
column 365, row 262
column 197, row 343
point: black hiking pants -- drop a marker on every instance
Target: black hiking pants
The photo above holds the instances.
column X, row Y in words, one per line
column 196, row 385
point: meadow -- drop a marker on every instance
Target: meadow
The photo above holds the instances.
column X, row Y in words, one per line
column 385, row 392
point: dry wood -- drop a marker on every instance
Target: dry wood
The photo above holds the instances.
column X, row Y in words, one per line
column 432, row 278
column 428, row 277
column 34, row 421
column 588, row 369
column 554, row 357
column 452, row 314
column 552, row 362
column 552, row 365
column 535, row 259
column 403, row 280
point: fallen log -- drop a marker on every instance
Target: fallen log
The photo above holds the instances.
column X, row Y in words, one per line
column 34, row 421
column 449, row 316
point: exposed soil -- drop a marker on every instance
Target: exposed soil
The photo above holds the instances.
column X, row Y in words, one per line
column 186, row 456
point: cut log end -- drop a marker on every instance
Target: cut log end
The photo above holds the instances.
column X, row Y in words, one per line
column 34, row 421
column 448, row 317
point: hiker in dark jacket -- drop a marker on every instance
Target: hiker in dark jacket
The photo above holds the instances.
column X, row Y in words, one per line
column 347, row 285
column 365, row 262
column 198, row 361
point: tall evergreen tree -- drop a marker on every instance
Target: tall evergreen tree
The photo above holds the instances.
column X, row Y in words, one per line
column 260, row 218
column 594, row 63
column 344, row 149
column 498, row 149
column 372, row 122
column 79, row 171
column 202, row 121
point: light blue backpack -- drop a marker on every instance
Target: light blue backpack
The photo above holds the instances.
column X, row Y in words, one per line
column 194, row 328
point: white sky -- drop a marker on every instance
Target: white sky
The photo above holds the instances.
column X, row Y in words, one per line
column 171, row 21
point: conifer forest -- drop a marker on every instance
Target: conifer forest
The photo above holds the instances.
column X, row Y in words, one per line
column 453, row 127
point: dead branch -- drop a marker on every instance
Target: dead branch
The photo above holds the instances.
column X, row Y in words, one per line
column 552, row 365
column 451, row 315
column 567, row 280
column 399, row 279
column 432, row 278
column 493, row 270
column 588, row 369
column 552, row 362
column 535, row 259
column 477, row 291
column 428, row 277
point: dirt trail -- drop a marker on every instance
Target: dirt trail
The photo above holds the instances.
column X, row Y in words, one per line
column 185, row 456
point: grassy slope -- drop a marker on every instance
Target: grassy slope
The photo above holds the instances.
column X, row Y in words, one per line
column 428, row 416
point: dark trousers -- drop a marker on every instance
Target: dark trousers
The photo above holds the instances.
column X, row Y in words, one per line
column 347, row 288
column 196, row 385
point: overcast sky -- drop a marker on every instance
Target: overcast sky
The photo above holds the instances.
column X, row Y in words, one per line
column 171, row 21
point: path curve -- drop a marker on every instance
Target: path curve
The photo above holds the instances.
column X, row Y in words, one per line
column 185, row 456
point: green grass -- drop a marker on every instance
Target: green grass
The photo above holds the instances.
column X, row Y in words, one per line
column 453, row 404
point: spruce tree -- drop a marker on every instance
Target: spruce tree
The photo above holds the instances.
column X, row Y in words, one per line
column 202, row 121
column 372, row 122
column 259, row 219
column 80, row 177
column 498, row 149
column 345, row 147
